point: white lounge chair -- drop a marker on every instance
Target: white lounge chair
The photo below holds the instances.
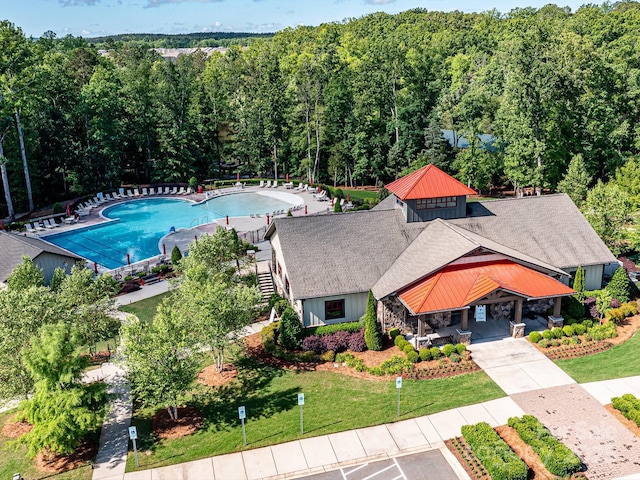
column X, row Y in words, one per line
column 121, row 193
column 288, row 185
column 152, row 190
column 136, row 192
column 252, row 215
column 48, row 225
column 130, row 193
column 261, row 183
column 300, row 186
column 145, row 191
column 30, row 229
column 182, row 191
column 275, row 184
column 322, row 196
column 268, row 185
column 174, row 191
column 108, row 197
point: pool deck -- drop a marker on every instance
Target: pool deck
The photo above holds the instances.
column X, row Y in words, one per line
column 183, row 237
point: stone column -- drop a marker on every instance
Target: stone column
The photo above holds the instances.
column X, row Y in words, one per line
column 557, row 304
column 465, row 319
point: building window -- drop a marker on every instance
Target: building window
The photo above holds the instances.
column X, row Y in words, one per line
column 279, row 270
column 286, row 284
column 442, row 202
column 333, row 309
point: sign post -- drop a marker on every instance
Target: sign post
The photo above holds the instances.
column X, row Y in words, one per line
column 301, row 403
column 133, row 435
column 398, row 388
column 243, row 414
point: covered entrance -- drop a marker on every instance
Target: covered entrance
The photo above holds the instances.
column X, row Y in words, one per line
column 488, row 297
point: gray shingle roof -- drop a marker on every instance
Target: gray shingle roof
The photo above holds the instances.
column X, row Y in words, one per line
column 353, row 252
column 13, row 247
column 439, row 244
column 343, row 253
column 549, row 228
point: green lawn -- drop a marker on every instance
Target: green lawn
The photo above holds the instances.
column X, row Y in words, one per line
column 145, row 309
column 619, row 361
column 15, row 460
column 360, row 194
column 333, row 403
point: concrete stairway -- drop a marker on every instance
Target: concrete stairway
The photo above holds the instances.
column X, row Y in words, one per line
column 265, row 281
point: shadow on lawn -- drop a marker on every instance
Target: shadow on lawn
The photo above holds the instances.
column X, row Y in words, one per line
column 220, row 405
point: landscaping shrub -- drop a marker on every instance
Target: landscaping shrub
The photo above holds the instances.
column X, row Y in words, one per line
column 335, row 327
column 501, row 462
column 575, row 340
column 555, row 455
column 591, row 307
column 395, row 365
column 618, row 287
column 602, row 332
column 328, row 356
column 448, row 349
column 547, row 335
column 356, row 342
column 408, row 348
column 568, row 330
column 425, row 354
column 269, row 336
column 461, row 348
column 544, row 343
column 130, row 286
column 400, row 341
column 587, row 323
column 291, row 330
column 630, row 308
column 393, row 333
column 413, row 356
column 579, row 329
column 618, row 314
column 435, row 352
column 455, row 358
column 313, row 343
column 372, row 334
column 58, row 208
column 614, row 303
column 176, row 255
column 578, row 286
column 557, row 332
column 338, row 341
column 274, row 298
column 565, row 341
column 629, row 406
column 535, row 337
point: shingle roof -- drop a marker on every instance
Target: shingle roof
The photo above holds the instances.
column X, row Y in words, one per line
column 341, row 253
column 549, row 228
column 352, row 252
column 13, row 247
column 439, row 244
column 428, row 182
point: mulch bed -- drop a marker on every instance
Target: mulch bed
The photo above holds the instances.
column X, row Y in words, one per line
column 212, row 378
column 13, row 430
column 441, row 368
column 630, row 424
column 189, row 421
column 467, row 459
column 52, row 463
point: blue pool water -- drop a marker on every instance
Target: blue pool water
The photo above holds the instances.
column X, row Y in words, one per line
column 138, row 225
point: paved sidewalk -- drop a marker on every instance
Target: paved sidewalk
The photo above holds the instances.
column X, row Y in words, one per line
column 114, row 439
column 517, row 366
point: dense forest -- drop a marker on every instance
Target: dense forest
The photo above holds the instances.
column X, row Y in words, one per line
column 349, row 103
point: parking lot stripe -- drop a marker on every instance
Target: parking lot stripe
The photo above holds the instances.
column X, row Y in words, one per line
column 379, row 472
column 403, row 476
column 354, row 470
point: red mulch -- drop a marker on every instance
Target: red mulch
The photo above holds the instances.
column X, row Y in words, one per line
column 630, row 424
column 52, row 463
column 13, row 430
column 212, row 378
column 189, row 421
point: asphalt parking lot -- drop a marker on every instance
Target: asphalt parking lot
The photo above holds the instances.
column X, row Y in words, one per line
column 417, row 466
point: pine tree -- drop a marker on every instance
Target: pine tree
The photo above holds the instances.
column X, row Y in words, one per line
column 578, row 284
column 337, row 208
column 618, row 287
column 176, row 255
column 290, row 330
column 576, row 181
column 372, row 333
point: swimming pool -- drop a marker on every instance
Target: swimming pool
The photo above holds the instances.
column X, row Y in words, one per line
column 137, row 226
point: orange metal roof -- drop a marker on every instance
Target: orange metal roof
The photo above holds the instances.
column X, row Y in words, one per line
column 428, row 182
column 457, row 286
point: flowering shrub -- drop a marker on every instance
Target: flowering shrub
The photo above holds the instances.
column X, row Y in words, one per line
column 313, row 343
column 356, row 341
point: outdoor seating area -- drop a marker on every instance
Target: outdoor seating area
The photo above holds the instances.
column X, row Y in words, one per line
column 84, row 208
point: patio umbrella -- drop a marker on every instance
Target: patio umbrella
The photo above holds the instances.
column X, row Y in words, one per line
column 238, row 177
column 128, row 259
column 287, row 178
column 95, row 267
column 68, row 210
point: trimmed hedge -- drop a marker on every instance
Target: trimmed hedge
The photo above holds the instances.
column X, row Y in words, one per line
column 555, row 455
column 448, row 349
column 350, row 327
column 501, row 462
column 629, row 406
column 535, row 337
column 393, row 333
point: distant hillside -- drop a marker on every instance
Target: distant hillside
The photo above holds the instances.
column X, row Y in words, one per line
column 187, row 40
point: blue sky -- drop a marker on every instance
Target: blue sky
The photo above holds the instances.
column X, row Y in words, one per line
column 91, row 18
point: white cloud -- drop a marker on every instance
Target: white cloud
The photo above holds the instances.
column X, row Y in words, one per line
column 157, row 3
column 379, row 2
